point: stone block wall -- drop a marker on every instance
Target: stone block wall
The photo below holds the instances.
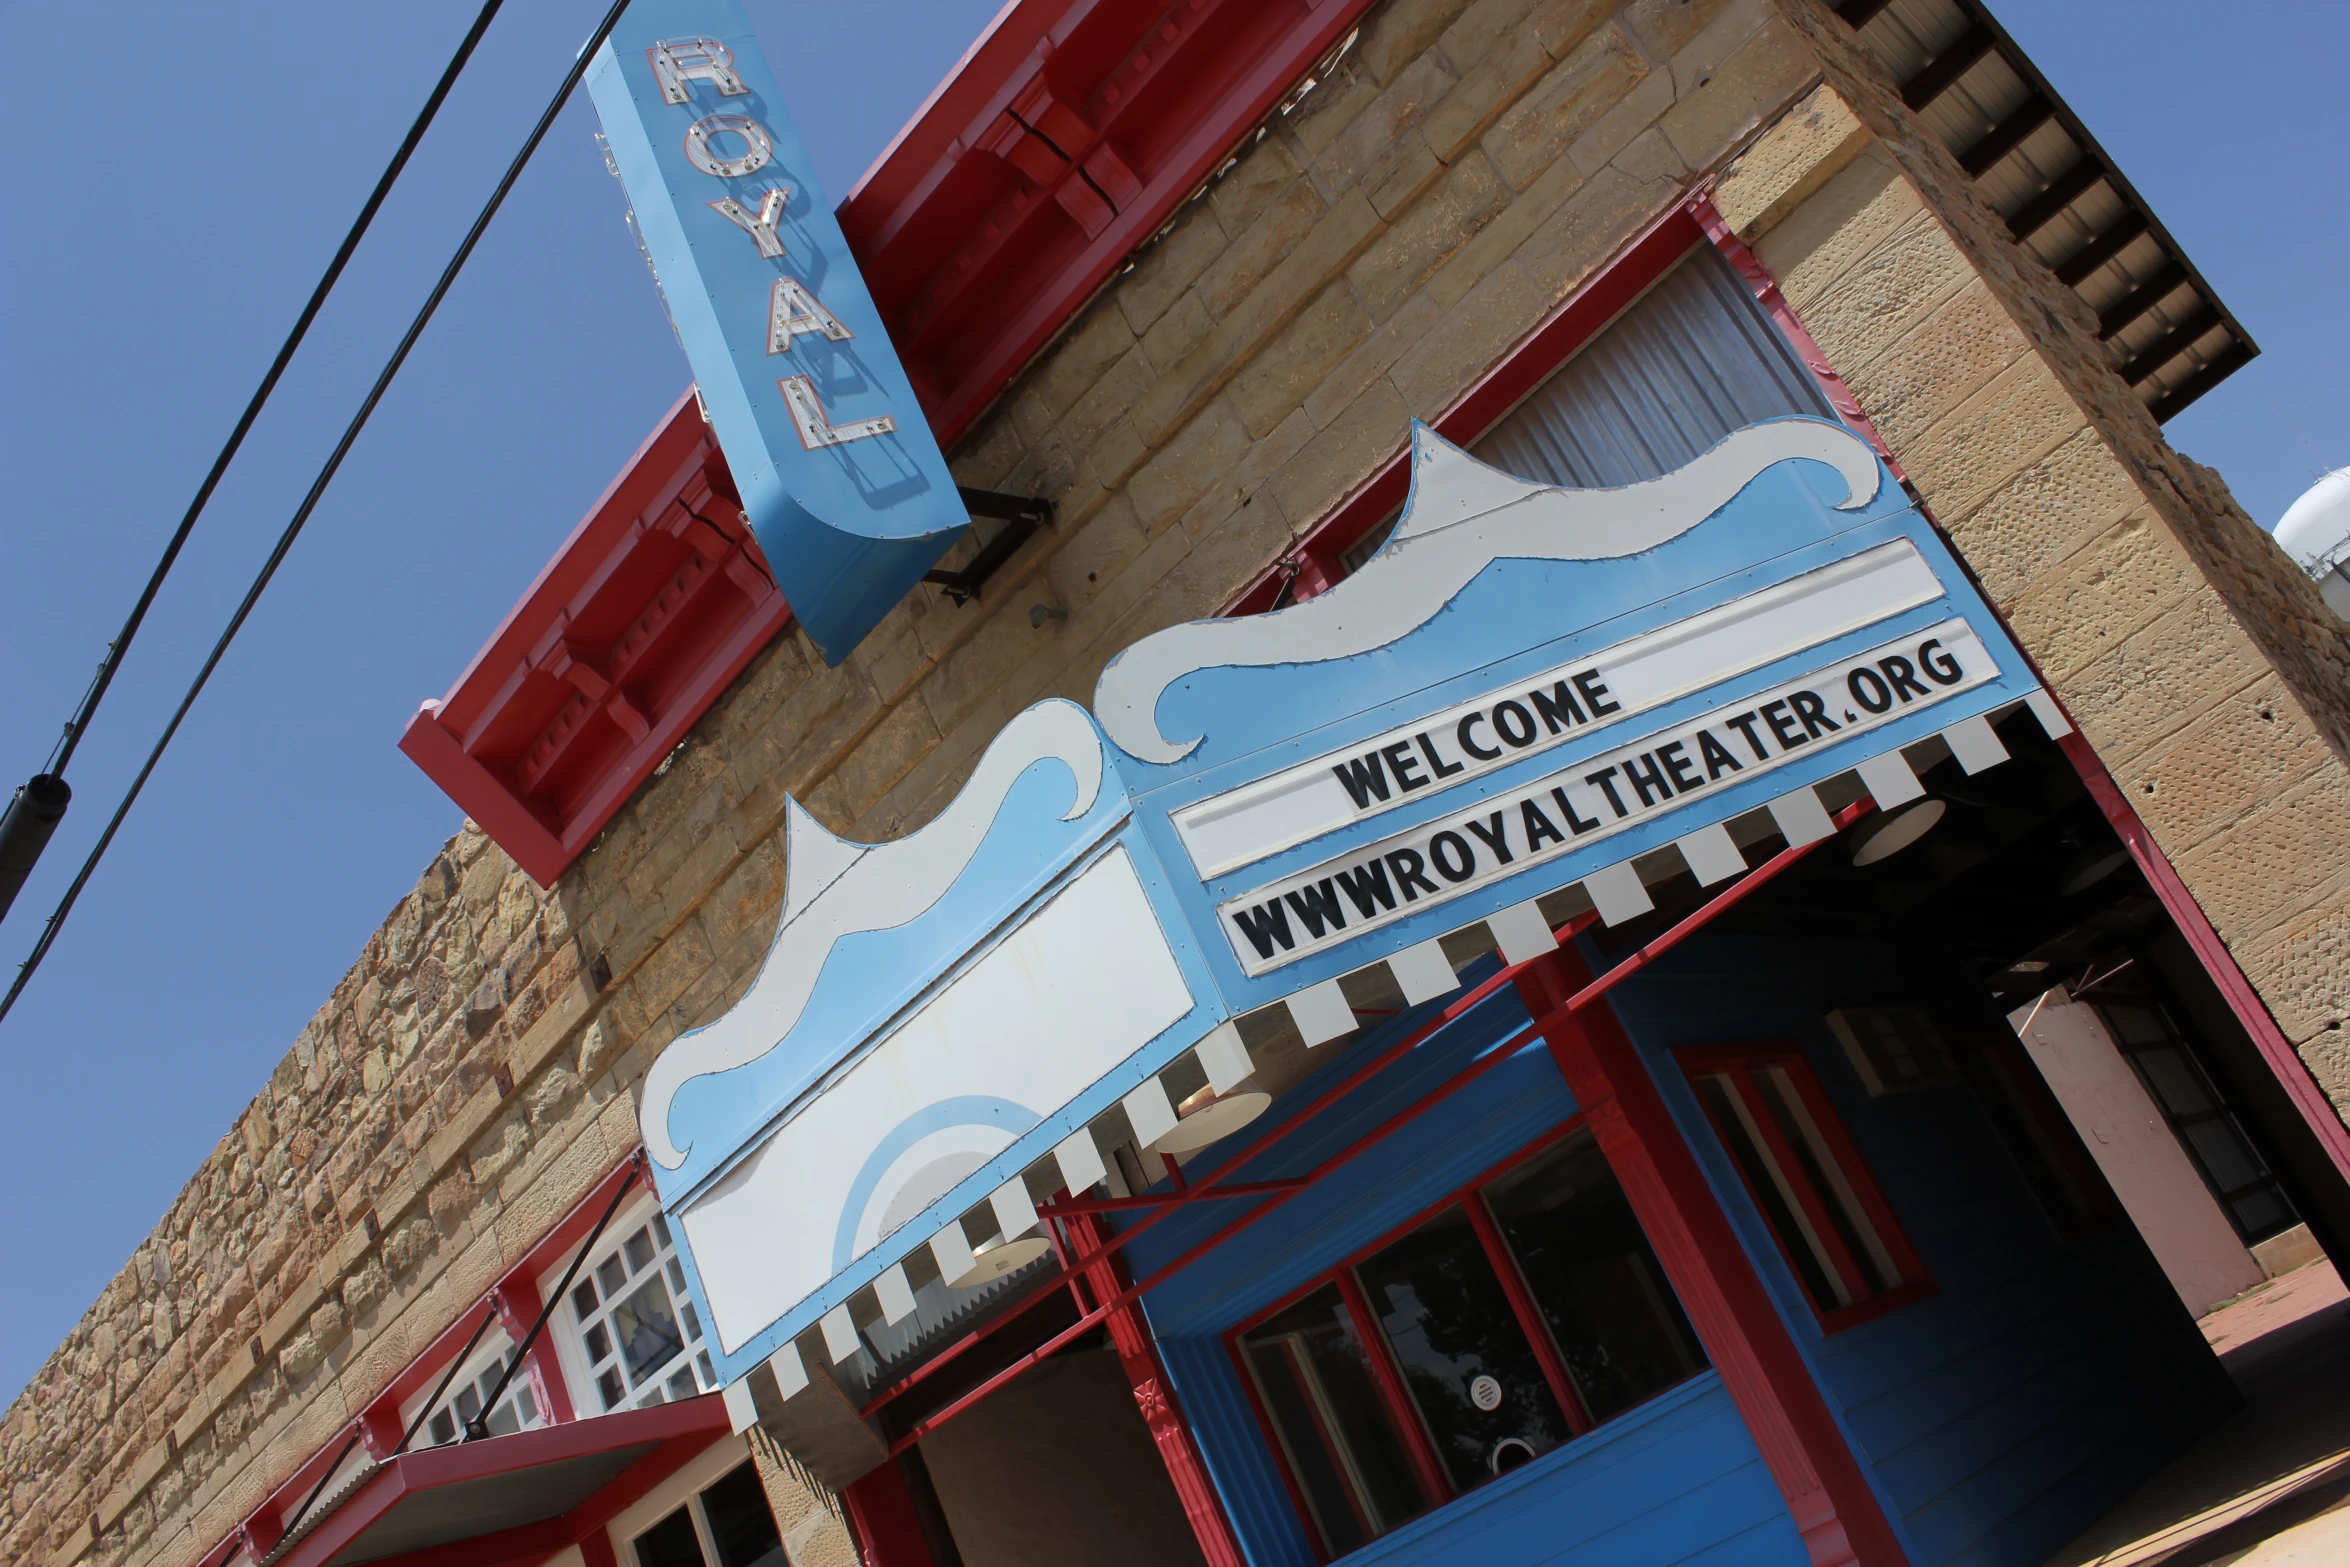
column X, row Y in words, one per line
column 1362, row 262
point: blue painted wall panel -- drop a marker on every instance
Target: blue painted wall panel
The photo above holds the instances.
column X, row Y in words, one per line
column 1677, row 1480
column 2044, row 1378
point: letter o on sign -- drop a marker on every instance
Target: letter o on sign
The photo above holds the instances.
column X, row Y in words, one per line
column 758, row 146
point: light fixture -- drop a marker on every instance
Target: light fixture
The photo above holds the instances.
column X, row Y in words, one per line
column 1206, row 1117
column 991, row 1260
column 2088, row 868
column 1889, row 834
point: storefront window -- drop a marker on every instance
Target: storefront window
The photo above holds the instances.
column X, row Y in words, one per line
column 1467, row 1361
column 1614, row 1318
column 1314, row 1374
column 1506, row 1324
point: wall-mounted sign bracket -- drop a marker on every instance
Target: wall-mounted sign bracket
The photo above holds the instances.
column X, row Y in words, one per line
column 1021, row 515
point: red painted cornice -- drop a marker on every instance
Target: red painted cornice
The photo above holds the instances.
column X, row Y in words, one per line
column 654, row 604
column 1066, row 137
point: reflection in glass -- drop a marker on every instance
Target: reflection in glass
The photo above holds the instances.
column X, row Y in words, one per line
column 647, row 1330
column 740, row 1524
column 1594, row 1278
column 1348, row 1459
column 1446, row 1317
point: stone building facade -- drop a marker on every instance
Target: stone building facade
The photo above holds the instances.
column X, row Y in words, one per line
column 1464, row 168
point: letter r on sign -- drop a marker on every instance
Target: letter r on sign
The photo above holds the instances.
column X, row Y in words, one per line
column 677, row 61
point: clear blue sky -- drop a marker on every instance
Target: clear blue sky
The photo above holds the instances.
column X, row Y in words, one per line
column 156, row 237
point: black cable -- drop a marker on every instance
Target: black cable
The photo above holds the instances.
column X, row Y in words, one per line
column 310, row 501
column 479, row 1426
column 63, row 753
column 457, row 1362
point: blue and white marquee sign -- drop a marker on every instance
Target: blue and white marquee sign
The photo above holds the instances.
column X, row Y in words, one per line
column 846, row 488
column 1527, row 688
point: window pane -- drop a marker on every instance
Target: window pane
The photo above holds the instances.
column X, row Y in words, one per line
column 1613, row 1316
column 647, row 1330
column 2174, row 1080
column 640, row 1251
column 670, row 1543
column 1343, row 1448
column 2232, row 1165
column 611, row 1275
column 599, row 1345
column 609, row 1389
column 1771, row 1191
column 1827, row 1177
column 740, row 1524
column 583, row 1300
column 1465, row 1358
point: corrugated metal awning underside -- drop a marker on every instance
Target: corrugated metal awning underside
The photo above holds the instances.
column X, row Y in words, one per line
column 2064, row 199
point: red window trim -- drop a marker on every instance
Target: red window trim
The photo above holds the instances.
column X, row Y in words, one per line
column 1436, row 1486
column 1915, row 1283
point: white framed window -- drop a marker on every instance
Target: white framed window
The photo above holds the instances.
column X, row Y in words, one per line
column 521, row 1407
column 627, row 1331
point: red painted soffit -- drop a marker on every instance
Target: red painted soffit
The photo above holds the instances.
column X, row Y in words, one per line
column 642, row 620
column 1066, row 137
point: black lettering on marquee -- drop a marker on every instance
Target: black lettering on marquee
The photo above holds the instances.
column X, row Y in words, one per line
column 1410, row 872
column 1868, row 688
column 1595, row 694
column 1557, row 707
column 1678, row 767
column 1939, row 666
column 1459, row 846
column 1905, row 679
column 1649, row 782
column 1604, row 782
column 1367, row 885
column 1364, row 778
column 1744, row 724
column 1538, row 826
column 1813, row 712
column 1266, row 924
column 1317, row 906
column 1496, row 837
column 1516, row 735
column 1404, row 765
column 1441, row 767
column 1481, row 753
column 1782, row 725
column 1718, row 759
column 1581, row 824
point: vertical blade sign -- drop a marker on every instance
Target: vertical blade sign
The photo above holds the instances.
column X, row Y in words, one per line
column 845, row 486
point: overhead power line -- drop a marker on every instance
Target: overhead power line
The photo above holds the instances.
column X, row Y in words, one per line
column 318, row 486
column 40, row 803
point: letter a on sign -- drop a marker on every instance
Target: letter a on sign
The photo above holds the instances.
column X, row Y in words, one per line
column 844, row 483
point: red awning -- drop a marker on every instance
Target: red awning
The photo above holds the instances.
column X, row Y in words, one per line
column 518, row 1498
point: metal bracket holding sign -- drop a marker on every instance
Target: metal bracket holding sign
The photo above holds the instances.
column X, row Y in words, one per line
column 1022, row 516
column 843, row 483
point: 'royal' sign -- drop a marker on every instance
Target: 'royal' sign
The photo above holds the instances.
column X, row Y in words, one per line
column 844, row 485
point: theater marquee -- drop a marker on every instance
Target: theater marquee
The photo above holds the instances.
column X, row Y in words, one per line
column 1528, row 689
